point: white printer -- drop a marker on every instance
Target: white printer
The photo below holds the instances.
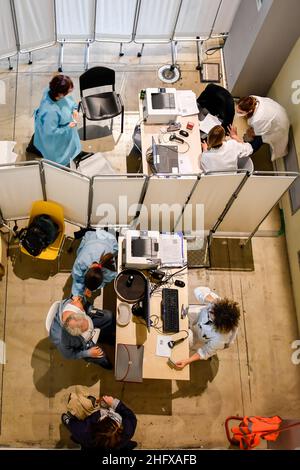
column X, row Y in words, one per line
column 142, row 249
column 160, row 105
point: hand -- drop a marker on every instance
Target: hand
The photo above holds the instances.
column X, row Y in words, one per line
column 88, row 293
column 233, row 131
column 73, row 124
column 108, row 400
column 75, row 115
column 250, row 133
column 181, row 364
column 96, row 352
column 204, row 146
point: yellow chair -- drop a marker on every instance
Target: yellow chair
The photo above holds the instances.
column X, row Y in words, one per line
column 55, row 211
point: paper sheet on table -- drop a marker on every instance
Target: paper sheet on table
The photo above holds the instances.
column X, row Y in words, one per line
column 171, row 249
column 185, row 165
column 187, row 103
column 209, row 122
column 162, row 348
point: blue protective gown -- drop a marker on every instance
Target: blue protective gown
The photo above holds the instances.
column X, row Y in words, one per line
column 52, row 136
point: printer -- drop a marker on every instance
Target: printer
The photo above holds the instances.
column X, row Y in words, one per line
column 142, row 249
column 160, row 105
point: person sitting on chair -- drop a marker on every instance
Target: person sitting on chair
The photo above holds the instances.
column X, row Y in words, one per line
column 94, row 266
column 111, row 427
column 212, row 328
column 55, row 132
column 73, row 332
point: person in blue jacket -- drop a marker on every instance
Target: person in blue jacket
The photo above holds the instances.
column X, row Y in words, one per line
column 94, row 266
column 111, row 427
column 55, row 134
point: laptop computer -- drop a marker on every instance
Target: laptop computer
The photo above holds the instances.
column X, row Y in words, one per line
column 165, row 158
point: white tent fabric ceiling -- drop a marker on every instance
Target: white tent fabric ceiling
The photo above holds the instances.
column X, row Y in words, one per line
column 26, row 25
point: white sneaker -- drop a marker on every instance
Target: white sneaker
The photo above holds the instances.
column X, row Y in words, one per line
column 202, row 292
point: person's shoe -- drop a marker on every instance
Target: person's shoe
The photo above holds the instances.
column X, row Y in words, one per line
column 106, row 364
column 131, row 445
column 65, row 418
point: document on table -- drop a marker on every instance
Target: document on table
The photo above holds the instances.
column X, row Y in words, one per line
column 171, row 250
column 185, row 164
column 208, row 123
column 187, row 103
column 162, row 348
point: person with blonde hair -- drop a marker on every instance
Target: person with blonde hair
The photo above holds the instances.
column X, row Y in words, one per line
column 222, row 154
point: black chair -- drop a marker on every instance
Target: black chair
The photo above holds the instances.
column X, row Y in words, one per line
column 99, row 106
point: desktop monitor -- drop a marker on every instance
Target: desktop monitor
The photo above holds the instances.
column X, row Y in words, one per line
column 142, row 309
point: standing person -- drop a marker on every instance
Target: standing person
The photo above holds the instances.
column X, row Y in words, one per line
column 94, row 266
column 267, row 119
column 213, row 327
column 220, row 154
column 111, row 427
column 218, row 102
column 55, row 133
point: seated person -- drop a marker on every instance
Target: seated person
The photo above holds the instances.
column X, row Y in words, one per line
column 111, row 427
column 72, row 332
column 221, row 154
column 94, row 266
column 218, row 102
column 213, row 328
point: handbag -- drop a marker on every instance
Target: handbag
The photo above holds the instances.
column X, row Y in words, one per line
column 81, row 404
column 129, row 363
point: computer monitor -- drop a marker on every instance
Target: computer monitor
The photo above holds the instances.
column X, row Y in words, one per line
column 142, row 309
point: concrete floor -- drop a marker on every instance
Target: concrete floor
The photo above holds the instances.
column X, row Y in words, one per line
column 254, row 376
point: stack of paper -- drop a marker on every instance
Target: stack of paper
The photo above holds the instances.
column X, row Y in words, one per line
column 208, row 123
column 187, row 103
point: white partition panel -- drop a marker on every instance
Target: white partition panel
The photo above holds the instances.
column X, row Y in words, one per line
column 156, row 20
column 214, row 192
column 226, row 16
column 115, row 199
column 35, row 23
column 69, row 189
column 164, row 201
column 20, row 186
column 201, row 17
column 75, row 20
column 8, row 45
column 115, row 20
column 255, row 200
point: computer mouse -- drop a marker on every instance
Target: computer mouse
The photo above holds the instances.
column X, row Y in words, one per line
column 184, row 133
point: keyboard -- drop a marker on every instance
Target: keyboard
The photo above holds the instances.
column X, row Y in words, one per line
column 170, row 311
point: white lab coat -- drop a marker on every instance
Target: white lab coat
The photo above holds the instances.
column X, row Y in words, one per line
column 226, row 157
column 271, row 122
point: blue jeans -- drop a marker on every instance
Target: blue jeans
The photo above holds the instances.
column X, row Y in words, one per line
column 104, row 320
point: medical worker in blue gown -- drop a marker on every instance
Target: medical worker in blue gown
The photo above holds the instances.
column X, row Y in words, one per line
column 56, row 135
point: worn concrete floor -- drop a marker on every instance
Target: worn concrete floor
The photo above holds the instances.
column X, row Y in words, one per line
column 255, row 376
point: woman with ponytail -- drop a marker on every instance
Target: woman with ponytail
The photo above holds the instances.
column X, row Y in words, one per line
column 94, row 266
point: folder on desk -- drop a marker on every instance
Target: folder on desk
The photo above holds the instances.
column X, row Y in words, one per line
column 129, row 363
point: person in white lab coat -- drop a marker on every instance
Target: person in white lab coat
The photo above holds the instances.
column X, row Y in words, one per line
column 267, row 119
column 219, row 154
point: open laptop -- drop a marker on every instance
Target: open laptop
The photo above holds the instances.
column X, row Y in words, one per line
column 165, row 158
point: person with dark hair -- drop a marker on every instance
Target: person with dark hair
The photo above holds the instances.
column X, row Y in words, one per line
column 212, row 328
column 94, row 266
column 110, row 428
column 218, row 102
column 266, row 119
column 221, row 154
column 55, row 132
